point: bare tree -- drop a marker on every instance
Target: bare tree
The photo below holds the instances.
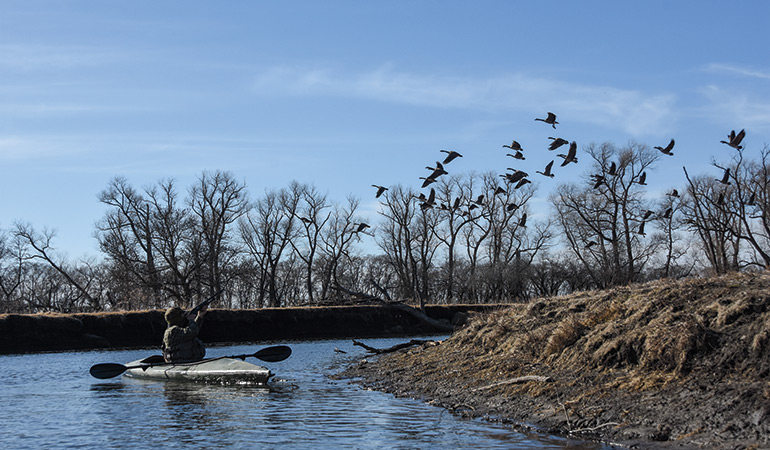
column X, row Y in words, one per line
column 176, row 240
column 603, row 222
column 78, row 280
column 266, row 231
column 13, row 268
column 397, row 240
column 749, row 183
column 338, row 238
column 125, row 233
column 705, row 213
column 218, row 200
column 313, row 215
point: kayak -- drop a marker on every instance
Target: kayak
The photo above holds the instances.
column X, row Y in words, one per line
column 214, row 370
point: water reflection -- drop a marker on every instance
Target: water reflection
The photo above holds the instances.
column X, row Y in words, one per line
column 51, row 401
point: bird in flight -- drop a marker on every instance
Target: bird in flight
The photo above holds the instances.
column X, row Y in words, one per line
column 437, row 171
column 673, row 193
column 667, row 213
column 450, row 156
column 428, row 181
column 516, row 176
column 643, row 179
column 523, row 221
column 557, row 142
column 521, row 183
column 598, row 180
column 613, row 169
column 725, row 178
column 667, row 149
column 547, row 172
column 735, row 139
column 361, row 227
column 514, row 146
column 517, row 155
column 641, row 229
column 380, row 190
column 570, row 156
column 551, row 120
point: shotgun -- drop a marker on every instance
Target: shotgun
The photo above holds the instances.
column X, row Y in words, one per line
column 205, row 302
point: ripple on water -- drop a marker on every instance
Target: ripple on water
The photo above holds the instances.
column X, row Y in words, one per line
column 49, row 400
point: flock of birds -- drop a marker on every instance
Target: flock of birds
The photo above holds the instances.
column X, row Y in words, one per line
column 518, row 178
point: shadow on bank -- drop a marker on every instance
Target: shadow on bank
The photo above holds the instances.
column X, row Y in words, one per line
column 22, row 333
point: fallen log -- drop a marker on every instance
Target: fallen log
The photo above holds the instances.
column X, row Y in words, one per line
column 394, row 348
column 414, row 312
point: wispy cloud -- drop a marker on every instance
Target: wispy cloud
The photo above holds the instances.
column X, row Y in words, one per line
column 739, row 70
column 633, row 111
column 737, row 107
column 35, row 57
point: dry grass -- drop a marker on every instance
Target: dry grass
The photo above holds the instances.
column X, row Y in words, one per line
column 660, row 330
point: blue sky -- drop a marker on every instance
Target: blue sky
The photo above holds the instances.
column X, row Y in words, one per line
column 345, row 94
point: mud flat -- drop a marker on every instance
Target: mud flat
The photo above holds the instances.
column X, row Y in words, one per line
column 666, row 364
column 24, row 333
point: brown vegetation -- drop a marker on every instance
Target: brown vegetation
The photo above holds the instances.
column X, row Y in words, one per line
column 686, row 362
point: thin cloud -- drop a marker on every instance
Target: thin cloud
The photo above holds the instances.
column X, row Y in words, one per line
column 633, row 111
column 738, row 70
column 36, row 57
column 736, row 107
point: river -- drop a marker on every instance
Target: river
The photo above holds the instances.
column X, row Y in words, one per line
column 49, row 400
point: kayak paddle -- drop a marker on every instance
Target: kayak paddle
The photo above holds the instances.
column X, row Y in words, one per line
column 269, row 354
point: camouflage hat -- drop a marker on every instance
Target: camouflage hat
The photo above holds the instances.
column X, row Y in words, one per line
column 176, row 316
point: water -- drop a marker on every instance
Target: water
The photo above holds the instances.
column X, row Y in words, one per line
column 50, row 401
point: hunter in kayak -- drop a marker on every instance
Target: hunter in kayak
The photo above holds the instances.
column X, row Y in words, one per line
column 180, row 341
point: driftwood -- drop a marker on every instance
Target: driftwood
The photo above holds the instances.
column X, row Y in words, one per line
column 517, row 380
column 414, row 312
column 395, row 348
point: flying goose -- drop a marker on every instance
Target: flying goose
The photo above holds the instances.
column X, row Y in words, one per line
column 451, row 155
column 551, row 120
column 667, row 149
column 380, row 190
column 557, row 142
column 725, row 178
column 735, row 139
column 523, row 221
column 641, row 229
column 570, row 156
column 547, row 172
column 514, row 146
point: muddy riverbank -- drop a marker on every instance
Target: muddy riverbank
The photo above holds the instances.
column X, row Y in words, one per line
column 666, row 364
column 21, row 333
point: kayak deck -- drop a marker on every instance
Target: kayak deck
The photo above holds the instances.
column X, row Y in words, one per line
column 214, row 370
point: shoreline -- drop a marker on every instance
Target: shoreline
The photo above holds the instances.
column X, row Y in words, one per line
column 665, row 364
column 31, row 333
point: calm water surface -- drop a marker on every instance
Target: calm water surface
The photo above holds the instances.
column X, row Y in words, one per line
column 50, row 401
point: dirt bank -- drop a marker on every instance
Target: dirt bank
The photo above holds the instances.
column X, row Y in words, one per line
column 22, row 333
column 664, row 364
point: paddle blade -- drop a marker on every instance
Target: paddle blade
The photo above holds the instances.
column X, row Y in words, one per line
column 274, row 354
column 107, row 370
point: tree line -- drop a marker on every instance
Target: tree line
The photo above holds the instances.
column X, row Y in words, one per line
column 469, row 240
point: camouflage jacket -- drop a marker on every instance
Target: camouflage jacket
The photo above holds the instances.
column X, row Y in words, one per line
column 182, row 343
